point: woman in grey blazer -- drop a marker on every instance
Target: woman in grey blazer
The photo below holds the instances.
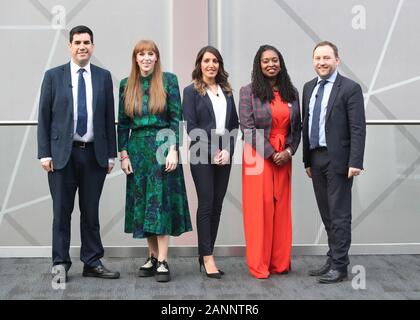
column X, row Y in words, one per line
column 270, row 120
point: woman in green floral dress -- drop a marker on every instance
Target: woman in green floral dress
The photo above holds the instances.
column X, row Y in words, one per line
column 148, row 136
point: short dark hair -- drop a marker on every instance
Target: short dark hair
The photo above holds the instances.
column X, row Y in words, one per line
column 327, row 43
column 80, row 29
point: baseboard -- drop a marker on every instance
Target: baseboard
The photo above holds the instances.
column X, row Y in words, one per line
column 189, row 251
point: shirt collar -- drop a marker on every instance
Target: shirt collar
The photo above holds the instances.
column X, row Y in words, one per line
column 74, row 68
column 330, row 79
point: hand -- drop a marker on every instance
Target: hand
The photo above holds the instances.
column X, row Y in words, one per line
column 309, row 172
column 110, row 167
column 281, row 158
column 353, row 172
column 48, row 165
column 126, row 166
column 222, row 157
column 171, row 160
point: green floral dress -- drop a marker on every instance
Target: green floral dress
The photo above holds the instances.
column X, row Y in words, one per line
column 156, row 201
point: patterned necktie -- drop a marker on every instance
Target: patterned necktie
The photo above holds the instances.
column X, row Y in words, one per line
column 81, row 105
column 314, row 138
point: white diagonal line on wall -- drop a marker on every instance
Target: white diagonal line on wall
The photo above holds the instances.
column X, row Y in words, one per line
column 395, row 85
column 26, row 134
column 383, row 52
column 48, row 197
column 320, row 230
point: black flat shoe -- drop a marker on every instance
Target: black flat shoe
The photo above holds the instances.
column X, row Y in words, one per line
column 215, row 275
column 321, row 271
column 333, row 276
column 148, row 269
column 162, row 273
column 100, row 272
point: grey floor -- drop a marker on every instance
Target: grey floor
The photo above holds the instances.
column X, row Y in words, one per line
column 387, row 277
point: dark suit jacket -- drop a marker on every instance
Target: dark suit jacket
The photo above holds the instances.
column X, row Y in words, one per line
column 345, row 124
column 55, row 118
column 198, row 113
column 255, row 114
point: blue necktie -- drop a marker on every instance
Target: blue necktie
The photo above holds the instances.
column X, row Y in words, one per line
column 81, row 105
column 314, row 138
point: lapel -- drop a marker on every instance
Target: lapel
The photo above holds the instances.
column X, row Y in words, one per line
column 308, row 94
column 228, row 110
column 209, row 105
column 67, row 85
column 333, row 95
column 292, row 106
column 95, row 86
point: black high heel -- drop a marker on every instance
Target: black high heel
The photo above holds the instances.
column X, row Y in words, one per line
column 216, row 275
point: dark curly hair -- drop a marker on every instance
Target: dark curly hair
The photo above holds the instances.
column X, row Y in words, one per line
column 261, row 86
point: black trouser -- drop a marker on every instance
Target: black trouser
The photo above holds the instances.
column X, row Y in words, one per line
column 211, row 182
column 333, row 196
column 82, row 172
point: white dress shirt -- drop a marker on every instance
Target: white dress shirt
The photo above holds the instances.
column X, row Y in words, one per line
column 327, row 92
column 219, row 107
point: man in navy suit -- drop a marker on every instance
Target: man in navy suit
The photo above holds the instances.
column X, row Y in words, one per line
column 77, row 147
column 334, row 131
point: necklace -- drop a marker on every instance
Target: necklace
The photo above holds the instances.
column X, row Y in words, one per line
column 214, row 89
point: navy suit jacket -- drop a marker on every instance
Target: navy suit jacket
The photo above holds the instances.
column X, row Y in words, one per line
column 198, row 113
column 55, row 118
column 345, row 124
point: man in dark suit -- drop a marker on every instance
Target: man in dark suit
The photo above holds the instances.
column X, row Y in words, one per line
column 77, row 147
column 334, row 130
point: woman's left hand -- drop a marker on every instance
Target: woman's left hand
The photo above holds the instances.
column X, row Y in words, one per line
column 171, row 160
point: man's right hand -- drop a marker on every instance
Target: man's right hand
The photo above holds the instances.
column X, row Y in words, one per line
column 47, row 165
column 309, row 172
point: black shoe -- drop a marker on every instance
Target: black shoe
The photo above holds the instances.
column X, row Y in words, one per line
column 100, row 272
column 321, row 271
column 215, row 275
column 59, row 273
column 333, row 276
column 149, row 267
column 162, row 273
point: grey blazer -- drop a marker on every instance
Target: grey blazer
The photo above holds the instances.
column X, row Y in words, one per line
column 254, row 114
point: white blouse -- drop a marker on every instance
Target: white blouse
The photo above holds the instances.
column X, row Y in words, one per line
column 219, row 107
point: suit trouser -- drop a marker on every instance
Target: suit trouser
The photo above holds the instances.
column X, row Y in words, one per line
column 81, row 173
column 211, row 182
column 333, row 196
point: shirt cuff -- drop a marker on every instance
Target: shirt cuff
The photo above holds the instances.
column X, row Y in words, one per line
column 45, row 159
column 111, row 161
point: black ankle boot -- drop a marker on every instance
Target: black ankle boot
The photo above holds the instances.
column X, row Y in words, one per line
column 149, row 267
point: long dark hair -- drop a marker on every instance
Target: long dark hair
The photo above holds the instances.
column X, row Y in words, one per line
column 261, row 86
column 221, row 77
